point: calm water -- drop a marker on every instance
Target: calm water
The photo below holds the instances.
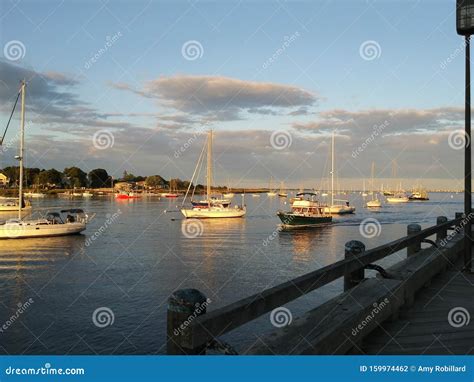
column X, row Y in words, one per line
column 142, row 256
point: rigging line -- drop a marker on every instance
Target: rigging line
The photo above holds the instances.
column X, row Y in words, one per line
column 192, row 178
column 9, row 119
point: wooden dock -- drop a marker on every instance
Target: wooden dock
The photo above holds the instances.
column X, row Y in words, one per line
column 425, row 327
column 421, row 305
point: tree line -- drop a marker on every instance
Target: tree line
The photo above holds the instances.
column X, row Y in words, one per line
column 74, row 177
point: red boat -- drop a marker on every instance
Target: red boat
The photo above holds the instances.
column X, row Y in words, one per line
column 130, row 195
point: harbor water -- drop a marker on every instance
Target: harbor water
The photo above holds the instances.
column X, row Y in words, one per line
column 105, row 291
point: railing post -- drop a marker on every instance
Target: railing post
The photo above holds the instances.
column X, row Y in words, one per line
column 184, row 305
column 444, row 232
column 353, row 248
column 413, row 229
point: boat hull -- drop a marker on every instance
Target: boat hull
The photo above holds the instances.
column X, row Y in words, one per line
column 8, row 231
column 339, row 210
column 398, row 200
column 291, row 220
column 206, row 213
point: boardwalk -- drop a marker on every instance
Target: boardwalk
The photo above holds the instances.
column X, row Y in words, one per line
column 425, row 327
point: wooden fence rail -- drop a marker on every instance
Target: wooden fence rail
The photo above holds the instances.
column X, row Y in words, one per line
column 189, row 331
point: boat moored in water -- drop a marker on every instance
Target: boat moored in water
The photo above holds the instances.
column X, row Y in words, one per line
column 305, row 213
column 400, row 197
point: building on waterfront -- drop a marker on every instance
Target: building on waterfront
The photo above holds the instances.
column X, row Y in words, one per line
column 4, row 180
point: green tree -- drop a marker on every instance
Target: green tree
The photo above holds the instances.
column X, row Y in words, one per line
column 76, row 177
column 99, row 178
column 155, row 181
column 51, row 177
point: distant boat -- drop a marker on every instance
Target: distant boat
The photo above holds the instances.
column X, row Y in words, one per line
column 419, row 195
column 87, row 194
column 34, row 194
column 12, row 204
column 271, row 192
column 305, row 213
column 282, row 194
column 399, row 197
column 209, row 207
column 337, row 208
column 228, row 195
column 170, row 195
column 126, row 195
column 256, row 195
column 375, row 202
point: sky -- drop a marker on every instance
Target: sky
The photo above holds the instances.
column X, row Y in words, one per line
column 135, row 85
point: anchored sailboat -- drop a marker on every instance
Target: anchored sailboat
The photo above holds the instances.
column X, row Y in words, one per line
column 375, row 202
column 209, row 207
column 64, row 222
column 337, row 208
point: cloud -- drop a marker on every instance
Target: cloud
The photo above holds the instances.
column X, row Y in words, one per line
column 401, row 121
column 222, row 98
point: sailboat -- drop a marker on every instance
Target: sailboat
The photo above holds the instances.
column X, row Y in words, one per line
column 271, row 192
column 229, row 194
column 209, row 207
column 375, row 202
column 339, row 209
column 282, row 193
column 64, row 222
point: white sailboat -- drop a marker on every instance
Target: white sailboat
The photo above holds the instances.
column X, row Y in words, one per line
column 210, row 207
column 375, row 202
column 271, row 192
column 64, row 222
column 337, row 208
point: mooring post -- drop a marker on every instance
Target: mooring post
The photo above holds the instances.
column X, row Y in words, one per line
column 413, row 229
column 353, row 248
column 444, row 232
column 184, row 306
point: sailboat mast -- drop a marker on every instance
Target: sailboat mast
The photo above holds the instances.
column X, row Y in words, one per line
column 373, row 175
column 332, row 169
column 22, row 148
column 209, row 164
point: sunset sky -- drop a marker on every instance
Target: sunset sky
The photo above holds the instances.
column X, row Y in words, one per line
column 132, row 85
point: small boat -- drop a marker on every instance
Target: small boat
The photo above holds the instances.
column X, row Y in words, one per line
column 419, row 195
column 87, row 194
column 340, row 209
column 399, row 197
column 282, row 194
column 374, row 203
column 228, row 195
column 209, row 207
column 305, row 213
column 337, row 208
column 34, row 194
column 170, row 195
column 271, row 192
column 255, row 195
column 126, row 195
column 11, row 204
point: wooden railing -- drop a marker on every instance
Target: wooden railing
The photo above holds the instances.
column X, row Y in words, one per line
column 190, row 328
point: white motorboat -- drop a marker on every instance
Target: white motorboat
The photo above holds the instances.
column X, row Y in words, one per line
column 228, row 195
column 65, row 222
column 375, row 203
column 209, row 207
column 12, row 204
column 34, row 194
column 398, row 198
column 87, row 194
